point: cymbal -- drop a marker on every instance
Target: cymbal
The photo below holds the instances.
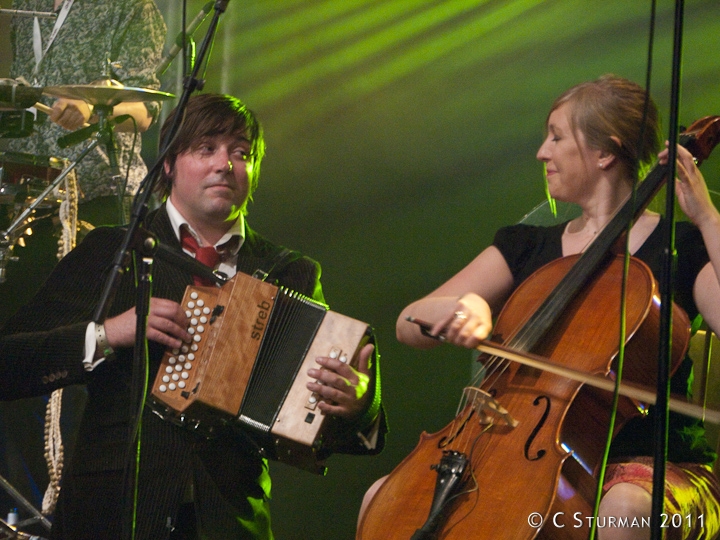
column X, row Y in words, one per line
column 106, row 92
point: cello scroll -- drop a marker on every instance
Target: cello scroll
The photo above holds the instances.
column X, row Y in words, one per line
column 702, row 137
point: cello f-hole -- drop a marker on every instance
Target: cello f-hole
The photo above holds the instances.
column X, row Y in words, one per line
column 540, row 453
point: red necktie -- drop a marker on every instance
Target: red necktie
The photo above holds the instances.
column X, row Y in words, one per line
column 206, row 255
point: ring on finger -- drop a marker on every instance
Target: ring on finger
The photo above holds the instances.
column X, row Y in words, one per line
column 460, row 315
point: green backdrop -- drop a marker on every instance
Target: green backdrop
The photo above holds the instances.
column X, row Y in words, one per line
column 401, row 134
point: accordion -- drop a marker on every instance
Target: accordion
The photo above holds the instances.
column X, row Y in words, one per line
column 252, row 344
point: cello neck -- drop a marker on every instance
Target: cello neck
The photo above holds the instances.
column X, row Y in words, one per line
column 700, row 141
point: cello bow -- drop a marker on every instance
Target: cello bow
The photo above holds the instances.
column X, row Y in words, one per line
column 633, row 391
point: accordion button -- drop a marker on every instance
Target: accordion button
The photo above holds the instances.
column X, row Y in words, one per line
column 194, row 347
column 194, row 295
column 185, row 348
column 312, row 399
column 165, row 378
column 343, row 359
column 162, row 388
column 193, row 321
column 200, row 303
column 188, row 313
column 206, row 310
column 200, row 329
column 178, row 367
column 191, row 330
column 188, row 365
column 203, row 319
column 175, row 377
column 191, row 357
column 184, row 375
column 181, row 384
column 196, row 338
column 191, row 305
column 172, row 386
column 169, row 369
column 197, row 312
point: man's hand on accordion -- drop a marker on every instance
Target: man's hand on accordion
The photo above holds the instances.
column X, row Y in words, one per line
column 166, row 323
column 343, row 389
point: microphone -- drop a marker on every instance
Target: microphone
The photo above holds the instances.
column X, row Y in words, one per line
column 18, row 96
column 111, row 150
column 82, row 134
column 177, row 46
column 71, row 139
column 111, row 145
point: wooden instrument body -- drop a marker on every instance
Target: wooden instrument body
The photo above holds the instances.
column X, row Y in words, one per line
column 223, row 373
column 516, row 471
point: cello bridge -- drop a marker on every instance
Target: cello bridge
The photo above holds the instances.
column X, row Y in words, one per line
column 487, row 407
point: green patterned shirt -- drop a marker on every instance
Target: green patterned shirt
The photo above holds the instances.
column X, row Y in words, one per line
column 129, row 32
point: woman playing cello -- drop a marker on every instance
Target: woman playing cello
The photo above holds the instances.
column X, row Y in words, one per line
column 592, row 155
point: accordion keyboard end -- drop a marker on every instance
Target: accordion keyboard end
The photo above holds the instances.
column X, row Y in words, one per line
column 338, row 337
column 180, row 374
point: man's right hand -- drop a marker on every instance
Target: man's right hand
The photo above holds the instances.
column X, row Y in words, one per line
column 167, row 324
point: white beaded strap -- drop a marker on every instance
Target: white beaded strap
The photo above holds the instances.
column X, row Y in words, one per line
column 54, row 452
column 68, row 214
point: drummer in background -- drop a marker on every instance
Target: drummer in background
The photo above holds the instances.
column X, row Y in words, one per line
column 74, row 49
column 131, row 34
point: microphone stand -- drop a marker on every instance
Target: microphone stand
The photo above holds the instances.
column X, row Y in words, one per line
column 142, row 241
column 668, row 257
column 179, row 40
column 27, row 505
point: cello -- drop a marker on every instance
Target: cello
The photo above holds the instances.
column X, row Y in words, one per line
column 525, row 445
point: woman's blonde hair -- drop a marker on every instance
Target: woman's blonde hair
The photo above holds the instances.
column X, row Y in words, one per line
column 614, row 106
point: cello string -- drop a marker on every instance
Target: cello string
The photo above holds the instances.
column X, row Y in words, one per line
column 465, row 434
column 487, row 377
column 461, row 433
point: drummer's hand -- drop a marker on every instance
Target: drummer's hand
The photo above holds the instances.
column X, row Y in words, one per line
column 71, row 114
column 468, row 324
column 166, row 324
column 691, row 189
column 342, row 389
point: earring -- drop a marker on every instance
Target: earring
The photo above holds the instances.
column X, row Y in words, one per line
column 230, row 166
column 601, row 165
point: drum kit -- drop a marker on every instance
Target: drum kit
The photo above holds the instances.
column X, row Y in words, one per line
column 29, row 182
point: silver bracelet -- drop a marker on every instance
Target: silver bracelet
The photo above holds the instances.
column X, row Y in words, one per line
column 102, row 341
